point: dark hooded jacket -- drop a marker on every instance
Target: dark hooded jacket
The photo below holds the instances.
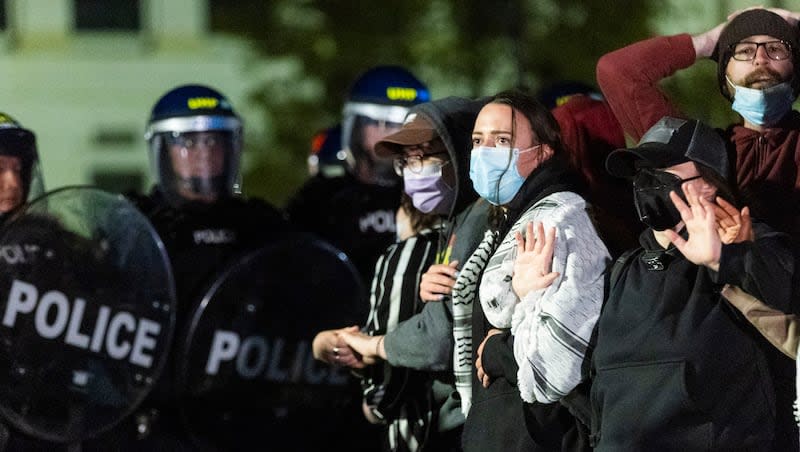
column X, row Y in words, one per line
column 425, row 340
column 499, row 419
column 674, row 356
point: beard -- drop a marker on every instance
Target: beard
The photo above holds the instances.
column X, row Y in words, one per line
column 764, row 77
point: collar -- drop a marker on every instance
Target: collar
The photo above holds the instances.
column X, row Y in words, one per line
column 654, row 257
column 550, row 177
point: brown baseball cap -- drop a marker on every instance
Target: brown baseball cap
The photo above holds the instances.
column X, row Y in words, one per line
column 416, row 131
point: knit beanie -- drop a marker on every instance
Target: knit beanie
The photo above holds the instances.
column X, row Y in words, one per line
column 750, row 23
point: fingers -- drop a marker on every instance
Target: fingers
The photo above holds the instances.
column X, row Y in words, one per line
column 676, row 240
column 683, row 209
column 520, row 240
column 549, row 278
column 691, row 197
column 483, row 377
column 438, row 281
column 530, row 245
column 539, row 238
column 727, row 207
column 747, row 225
column 549, row 248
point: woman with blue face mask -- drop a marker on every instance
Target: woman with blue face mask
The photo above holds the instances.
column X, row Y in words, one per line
column 527, row 350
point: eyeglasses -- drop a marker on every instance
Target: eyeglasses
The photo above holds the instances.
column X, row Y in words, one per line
column 776, row 50
column 414, row 163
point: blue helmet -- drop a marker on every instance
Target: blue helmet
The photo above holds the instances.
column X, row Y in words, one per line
column 327, row 157
column 376, row 106
column 195, row 140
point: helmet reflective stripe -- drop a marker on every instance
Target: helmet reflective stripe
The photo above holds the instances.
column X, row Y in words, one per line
column 388, row 113
column 194, row 124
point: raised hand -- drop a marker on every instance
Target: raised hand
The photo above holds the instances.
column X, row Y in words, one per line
column 533, row 266
column 789, row 16
column 703, row 247
column 733, row 225
column 438, row 281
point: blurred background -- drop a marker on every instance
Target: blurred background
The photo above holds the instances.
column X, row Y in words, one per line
column 83, row 74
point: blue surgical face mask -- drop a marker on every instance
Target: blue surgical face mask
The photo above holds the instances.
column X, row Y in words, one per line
column 762, row 107
column 494, row 173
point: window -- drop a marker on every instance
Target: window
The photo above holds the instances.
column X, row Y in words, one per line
column 107, row 15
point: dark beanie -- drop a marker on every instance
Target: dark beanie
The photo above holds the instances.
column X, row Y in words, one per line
column 750, row 23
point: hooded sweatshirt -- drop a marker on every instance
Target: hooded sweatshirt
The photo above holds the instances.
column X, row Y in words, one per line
column 425, row 341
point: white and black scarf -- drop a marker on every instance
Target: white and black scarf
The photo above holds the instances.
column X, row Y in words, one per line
column 464, row 291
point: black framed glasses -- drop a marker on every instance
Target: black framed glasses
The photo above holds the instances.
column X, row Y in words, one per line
column 414, row 163
column 776, row 50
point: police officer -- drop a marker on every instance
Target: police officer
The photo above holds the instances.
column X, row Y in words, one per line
column 327, row 159
column 20, row 176
column 195, row 144
column 356, row 212
column 195, row 141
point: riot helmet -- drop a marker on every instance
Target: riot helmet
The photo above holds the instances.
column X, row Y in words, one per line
column 327, row 157
column 20, row 174
column 376, row 106
column 195, row 141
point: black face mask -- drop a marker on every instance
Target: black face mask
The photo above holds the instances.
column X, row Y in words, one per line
column 651, row 196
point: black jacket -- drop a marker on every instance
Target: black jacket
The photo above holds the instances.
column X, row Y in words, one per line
column 499, row 419
column 675, row 366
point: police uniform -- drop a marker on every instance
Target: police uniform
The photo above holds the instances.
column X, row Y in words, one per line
column 354, row 213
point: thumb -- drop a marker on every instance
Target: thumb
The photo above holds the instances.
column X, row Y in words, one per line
column 453, row 264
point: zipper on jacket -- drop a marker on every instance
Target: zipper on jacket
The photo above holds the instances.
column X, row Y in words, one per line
column 761, row 156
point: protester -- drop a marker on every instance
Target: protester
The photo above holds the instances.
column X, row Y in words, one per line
column 327, row 158
column 756, row 51
column 670, row 353
column 761, row 82
column 519, row 165
column 431, row 152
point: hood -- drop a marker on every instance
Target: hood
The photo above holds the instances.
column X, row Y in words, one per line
column 454, row 119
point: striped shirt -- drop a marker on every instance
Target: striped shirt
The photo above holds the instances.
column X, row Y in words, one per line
column 395, row 298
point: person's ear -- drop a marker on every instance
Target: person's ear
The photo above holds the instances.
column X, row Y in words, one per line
column 546, row 152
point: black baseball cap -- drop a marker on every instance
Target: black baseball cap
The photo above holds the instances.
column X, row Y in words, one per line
column 669, row 142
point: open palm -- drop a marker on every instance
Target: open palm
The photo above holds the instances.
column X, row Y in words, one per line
column 533, row 266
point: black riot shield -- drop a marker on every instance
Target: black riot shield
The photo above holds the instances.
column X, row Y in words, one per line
column 87, row 301
column 248, row 374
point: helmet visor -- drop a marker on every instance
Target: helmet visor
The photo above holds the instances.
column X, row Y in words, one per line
column 198, row 166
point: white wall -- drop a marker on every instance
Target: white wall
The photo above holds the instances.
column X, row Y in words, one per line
column 67, row 86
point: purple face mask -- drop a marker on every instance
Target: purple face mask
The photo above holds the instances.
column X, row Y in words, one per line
column 429, row 192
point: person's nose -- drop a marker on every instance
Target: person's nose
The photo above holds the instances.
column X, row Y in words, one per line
column 7, row 179
column 761, row 56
